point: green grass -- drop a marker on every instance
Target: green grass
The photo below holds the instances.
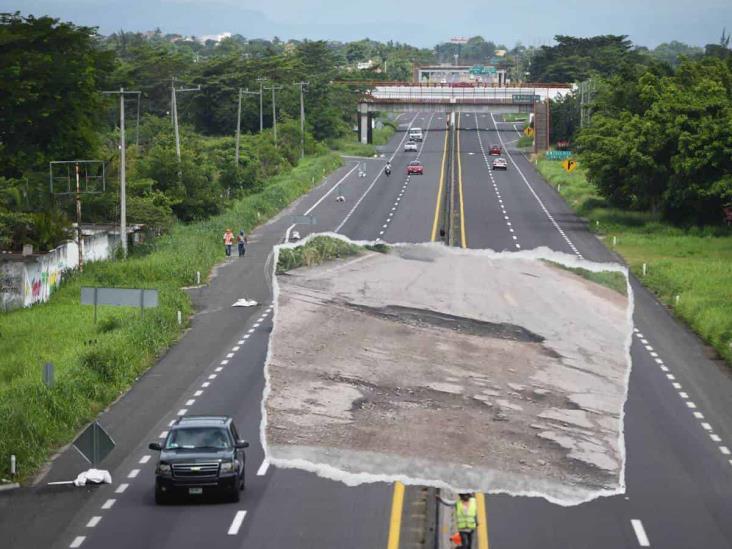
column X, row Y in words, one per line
column 525, row 141
column 610, row 279
column 351, row 146
column 516, row 117
column 315, row 252
column 95, row 364
column 695, row 264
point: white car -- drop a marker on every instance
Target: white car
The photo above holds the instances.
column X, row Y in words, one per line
column 410, row 146
column 500, row 164
column 415, row 134
column 294, row 236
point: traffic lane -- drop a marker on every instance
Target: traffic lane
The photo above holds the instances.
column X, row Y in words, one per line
column 299, row 509
column 486, row 225
column 344, row 194
column 367, row 218
column 663, row 493
column 410, row 215
column 532, row 221
column 231, row 385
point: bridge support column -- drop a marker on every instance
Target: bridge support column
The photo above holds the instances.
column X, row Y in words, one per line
column 541, row 126
column 364, row 124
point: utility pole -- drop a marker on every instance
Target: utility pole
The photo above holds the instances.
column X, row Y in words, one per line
column 122, row 166
column 302, row 119
column 238, row 120
column 261, row 111
column 174, row 111
column 274, row 111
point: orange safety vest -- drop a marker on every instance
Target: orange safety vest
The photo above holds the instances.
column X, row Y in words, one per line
column 228, row 238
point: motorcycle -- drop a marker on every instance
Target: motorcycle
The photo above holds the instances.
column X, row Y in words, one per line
column 387, row 170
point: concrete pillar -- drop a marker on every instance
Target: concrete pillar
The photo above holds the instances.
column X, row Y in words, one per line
column 364, row 121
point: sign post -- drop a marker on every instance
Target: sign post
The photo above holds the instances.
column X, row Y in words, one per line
column 94, row 444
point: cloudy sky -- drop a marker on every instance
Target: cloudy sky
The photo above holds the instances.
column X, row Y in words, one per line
column 419, row 22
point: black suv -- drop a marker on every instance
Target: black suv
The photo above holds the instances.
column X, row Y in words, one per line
column 200, row 453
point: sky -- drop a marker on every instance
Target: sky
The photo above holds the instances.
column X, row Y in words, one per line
column 418, row 22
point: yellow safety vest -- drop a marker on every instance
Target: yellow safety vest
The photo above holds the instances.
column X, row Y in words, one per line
column 466, row 520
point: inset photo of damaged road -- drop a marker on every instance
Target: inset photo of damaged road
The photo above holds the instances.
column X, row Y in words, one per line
column 327, row 275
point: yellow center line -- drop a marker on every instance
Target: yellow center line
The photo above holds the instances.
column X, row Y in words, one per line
column 463, row 237
column 395, row 521
column 482, row 521
column 439, row 189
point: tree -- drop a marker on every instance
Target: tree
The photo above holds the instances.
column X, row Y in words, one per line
column 50, row 77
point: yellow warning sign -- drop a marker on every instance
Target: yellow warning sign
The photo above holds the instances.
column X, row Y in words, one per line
column 528, row 130
column 569, row 165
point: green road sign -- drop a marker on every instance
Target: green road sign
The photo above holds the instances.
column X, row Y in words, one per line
column 94, row 443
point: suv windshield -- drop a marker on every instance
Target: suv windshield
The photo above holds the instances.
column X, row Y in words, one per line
column 198, row 437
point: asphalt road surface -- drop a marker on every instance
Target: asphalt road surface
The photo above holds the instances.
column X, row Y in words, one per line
column 677, row 423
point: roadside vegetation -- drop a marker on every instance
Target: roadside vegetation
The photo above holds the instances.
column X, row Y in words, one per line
column 516, row 117
column 693, row 263
column 96, row 363
column 314, row 252
column 610, row 279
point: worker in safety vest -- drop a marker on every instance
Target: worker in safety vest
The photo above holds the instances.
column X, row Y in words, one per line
column 466, row 518
column 228, row 240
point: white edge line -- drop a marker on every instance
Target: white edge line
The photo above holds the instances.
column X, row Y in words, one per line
column 640, row 533
column 236, row 523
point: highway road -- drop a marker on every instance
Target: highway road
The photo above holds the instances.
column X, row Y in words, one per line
column 677, row 421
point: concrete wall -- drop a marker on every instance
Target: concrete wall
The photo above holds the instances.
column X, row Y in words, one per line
column 27, row 280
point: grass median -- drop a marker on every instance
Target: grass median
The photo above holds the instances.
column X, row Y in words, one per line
column 95, row 363
column 694, row 264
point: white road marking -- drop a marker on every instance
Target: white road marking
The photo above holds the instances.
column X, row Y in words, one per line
column 246, row 336
column 250, row 331
column 133, row 473
column 706, row 426
column 212, row 376
column 658, row 360
column 263, row 469
column 715, row 438
column 671, row 376
column 230, row 355
column 190, row 402
column 640, row 533
column 198, row 393
column 163, row 434
column 683, row 395
column 676, row 385
column 698, row 415
column 240, row 342
column 236, row 523
column 235, row 348
column 724, row 450
column 224, row 362
column 171, row 422
column 690, row 404
column 663, row 368
column 182, row 412
column 78, row 540
column 256, row 325
column 144, row 459
column 218, row 369
column 205, row 384
column 121, row 488
column 93, row 521
column 108, row 504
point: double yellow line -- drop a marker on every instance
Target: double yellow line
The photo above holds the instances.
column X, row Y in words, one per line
column 397, row 501
column 441, row 186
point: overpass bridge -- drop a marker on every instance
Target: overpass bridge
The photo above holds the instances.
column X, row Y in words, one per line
column 450, row 98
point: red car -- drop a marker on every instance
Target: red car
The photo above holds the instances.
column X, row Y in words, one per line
column 415, row 167
column 495, row 150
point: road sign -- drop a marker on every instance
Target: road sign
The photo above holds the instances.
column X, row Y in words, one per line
column 94, row 443
column 120, row 297
column 528, row 130
column 557, row 155
column 304, row 220
column 569, row 165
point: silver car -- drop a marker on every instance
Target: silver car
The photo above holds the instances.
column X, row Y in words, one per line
column 410, row 146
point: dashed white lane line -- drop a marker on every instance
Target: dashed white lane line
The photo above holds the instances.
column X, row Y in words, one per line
column 205, row 384
column 640, row 533
column 224, row 362
column 133, row 473
column 121, row 488
column 163, row 434
column 682, row 394
column 230, row 355
column 255, row 325
column 246, row 336
column 236, row 523
column 109, row 503
column 144, row 459
column 263, row 469
column 78, row 540
column 93, row 521
column 198, row 393
column 212, row 376
column 218, row 369
column 240, row 342
column 190, row 402
column 250, row 331
column 182, row 411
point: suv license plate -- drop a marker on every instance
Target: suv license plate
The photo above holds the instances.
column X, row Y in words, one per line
column 195, row 491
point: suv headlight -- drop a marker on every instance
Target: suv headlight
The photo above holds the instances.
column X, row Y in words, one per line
column 163, row 469
column 228, row 466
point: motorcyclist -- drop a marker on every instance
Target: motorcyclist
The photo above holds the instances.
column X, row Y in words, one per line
column 387, row 168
